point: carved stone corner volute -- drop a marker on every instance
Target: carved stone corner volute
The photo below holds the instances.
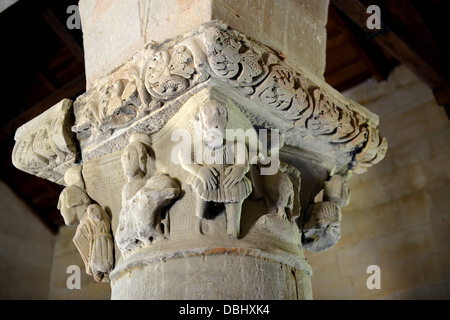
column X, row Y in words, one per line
column 45, row 146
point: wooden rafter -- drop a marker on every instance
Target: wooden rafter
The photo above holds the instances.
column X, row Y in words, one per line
column 419, row 53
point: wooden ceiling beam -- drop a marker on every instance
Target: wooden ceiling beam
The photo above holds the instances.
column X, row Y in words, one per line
column 409, row 50
column 356, row 45
column 73, row 88
column 64, row 34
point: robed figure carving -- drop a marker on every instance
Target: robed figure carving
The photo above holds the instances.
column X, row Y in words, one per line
column 217, row 168
column 73, row 200
column 142, row 219
column 93, row 237
column 93, row 240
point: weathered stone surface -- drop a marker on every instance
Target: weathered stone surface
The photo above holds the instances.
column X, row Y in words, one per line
column 210, row 278
column 144, row 93
column 109, row 39
column 211, row 150
column 45, row 146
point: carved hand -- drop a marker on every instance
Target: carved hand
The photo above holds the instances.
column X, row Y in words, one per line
column 208, row 175
column 234, row 174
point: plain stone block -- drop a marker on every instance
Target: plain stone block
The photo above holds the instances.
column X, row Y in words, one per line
column 26, row 250
column 415, row 209
column 415, row 151
column 436, row 268
column 324, row 266
column 396, row 277
column 318, row 9
column 341, row 289
column 412, row 244
column 377, row 221
column 412, row 124
column 438, row 292
column 441, row 201
column 356, row 259
column 417, row 176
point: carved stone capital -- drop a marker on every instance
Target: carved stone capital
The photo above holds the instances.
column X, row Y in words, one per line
column 207, row 153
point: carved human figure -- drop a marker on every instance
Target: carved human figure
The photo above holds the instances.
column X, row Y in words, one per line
column 322, row 223
column 280, row 192
column 93, row 240
column 73, row 200
column 93, row 237
column 143, row 197
column 220, row 175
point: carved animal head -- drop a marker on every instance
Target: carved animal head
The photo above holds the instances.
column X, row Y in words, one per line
column 321, row 229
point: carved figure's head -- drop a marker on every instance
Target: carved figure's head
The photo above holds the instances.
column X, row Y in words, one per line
column 73, row 176
column 213, row 118
column 95, row 212
column 135, row 158
column 213, row 115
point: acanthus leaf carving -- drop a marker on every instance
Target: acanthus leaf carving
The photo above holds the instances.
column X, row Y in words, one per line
column 325, row 118
column 285, row 95
column 223, row 54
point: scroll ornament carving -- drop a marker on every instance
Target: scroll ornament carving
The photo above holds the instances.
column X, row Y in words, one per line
column 143, row 218
column 165, row 72
column 373, row 152
column 93, row 237
column 236, row 61
column 169, row 75
column 113, row 106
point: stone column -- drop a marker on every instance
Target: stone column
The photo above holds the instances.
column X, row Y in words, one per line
column 205, row 163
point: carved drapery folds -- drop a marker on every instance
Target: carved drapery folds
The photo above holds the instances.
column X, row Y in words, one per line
column 143, row 218
column 128, row 116
column 93, row 236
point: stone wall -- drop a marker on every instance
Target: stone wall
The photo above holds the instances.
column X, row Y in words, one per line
column 65, row 255
column 398, row 217
column 25, row 252
column 109, row 40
